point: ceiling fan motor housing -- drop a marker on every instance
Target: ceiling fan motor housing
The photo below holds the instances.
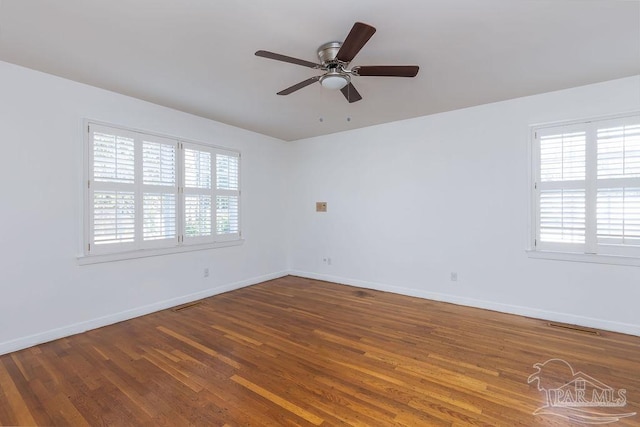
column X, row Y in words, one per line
column 328, row 51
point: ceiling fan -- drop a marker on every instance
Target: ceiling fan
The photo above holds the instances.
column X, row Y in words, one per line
column 335, row 58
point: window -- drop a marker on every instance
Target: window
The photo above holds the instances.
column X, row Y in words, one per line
column 146, row 191
column 587, row 187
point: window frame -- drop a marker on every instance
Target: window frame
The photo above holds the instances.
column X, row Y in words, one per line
column 141, row 248
column 591, row 250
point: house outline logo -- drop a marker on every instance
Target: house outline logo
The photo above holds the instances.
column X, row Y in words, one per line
column 577, row 396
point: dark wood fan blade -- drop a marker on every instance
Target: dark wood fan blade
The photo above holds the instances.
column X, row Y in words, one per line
column 357, row 38
column 284, row 58
column 299, row 86
column 387, row 70
column 350, row 92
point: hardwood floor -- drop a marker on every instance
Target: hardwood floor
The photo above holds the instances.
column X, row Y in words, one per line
column 296, row 351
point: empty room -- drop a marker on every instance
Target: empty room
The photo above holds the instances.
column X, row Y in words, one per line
column 278, row 213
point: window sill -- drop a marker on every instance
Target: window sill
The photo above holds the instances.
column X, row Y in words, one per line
column 579, row 257
column 145, row 253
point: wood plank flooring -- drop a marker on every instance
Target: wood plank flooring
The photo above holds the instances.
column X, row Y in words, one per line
column 295, row 351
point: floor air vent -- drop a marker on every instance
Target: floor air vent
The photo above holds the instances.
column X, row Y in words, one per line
column 361, row 294
column 186, row 306
column 574, row 328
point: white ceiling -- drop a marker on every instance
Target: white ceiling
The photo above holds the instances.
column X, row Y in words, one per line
column 198, row 55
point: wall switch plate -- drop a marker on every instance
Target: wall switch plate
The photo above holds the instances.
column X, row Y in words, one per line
column 321, row 206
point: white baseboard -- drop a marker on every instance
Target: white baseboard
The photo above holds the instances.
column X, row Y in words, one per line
column 590, row 322
column 76, row 328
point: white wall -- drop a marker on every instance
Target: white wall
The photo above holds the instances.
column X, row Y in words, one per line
column 412, row 201
column 44, row 293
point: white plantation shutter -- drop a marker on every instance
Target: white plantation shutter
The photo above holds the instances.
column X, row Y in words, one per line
column 113, row 157
column 587, row 187
column 618, row 151
column 160, row 189
column 113, row 209
column 132, row 190
column 562, row 216
column 562, row 156
column 113, row 216
column 159, row 216
column 147, row 191
column 619, row 216
column 212, row 193
column 197, row 168
column 198, row 214
column 618, row 193
column 227, row 172
column 227, row 215
column 198, row 192
column 561, row 186
column 227, row 195
column 159, row 163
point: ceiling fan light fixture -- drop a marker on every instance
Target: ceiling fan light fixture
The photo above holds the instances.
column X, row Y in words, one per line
column 334, row 81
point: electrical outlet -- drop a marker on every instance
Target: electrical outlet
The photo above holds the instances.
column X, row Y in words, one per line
column 205, row 273
column 454, row 276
